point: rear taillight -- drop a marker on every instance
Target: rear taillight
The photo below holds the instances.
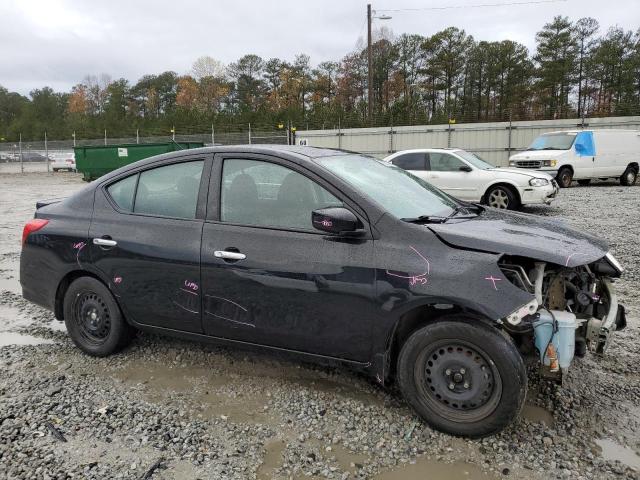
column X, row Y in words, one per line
column 32, row 226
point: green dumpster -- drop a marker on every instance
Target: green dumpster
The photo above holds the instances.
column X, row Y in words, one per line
column 95, row 161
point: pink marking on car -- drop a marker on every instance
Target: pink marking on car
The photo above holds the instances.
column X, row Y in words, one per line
column 117, row 280
column 420, row 278
column 191, row 285
column 79, row 246
column 494, row 280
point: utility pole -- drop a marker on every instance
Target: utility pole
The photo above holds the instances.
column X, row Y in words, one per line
column 105, row 136
column 46, row 150
column 369, row 66
column 137, row 135
column 21, row 156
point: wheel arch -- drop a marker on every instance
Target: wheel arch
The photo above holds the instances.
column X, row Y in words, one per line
column 416, row 318
column 63, row 286
column 635, row 166
column 503, row 183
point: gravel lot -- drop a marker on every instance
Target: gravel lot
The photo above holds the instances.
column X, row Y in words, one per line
column 170, row 409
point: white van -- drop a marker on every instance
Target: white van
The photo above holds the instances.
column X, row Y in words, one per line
column 583, row 155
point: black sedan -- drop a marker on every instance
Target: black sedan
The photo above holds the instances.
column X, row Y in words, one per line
column 334, row 257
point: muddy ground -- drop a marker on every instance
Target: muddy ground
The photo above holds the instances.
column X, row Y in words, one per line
column 170, row 409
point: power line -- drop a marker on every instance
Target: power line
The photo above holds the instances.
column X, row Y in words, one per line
column 479, row 5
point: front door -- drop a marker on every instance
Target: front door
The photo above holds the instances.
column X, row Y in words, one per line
column 443, row 170
column 268, row 277
column 145, row 238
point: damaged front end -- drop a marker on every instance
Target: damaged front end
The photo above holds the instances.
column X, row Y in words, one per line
column 574, row 309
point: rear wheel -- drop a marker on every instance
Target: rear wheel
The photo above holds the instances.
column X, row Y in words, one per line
column 500, row 196
column 93, row 318
column 584, row 182
column 629, row 177
column 564, row 177
column 462, row 377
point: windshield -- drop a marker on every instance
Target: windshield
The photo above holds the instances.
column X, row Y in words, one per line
column 555, row 141
column 474, row 160
column 397, row 191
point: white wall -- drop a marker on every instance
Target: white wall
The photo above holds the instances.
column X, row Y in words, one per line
column 489, row 140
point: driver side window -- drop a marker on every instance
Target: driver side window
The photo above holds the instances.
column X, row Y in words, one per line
column 444, row 162
column 269, row 195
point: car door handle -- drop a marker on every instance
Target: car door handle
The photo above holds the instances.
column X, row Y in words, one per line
column 104, row 242
column 226, row 255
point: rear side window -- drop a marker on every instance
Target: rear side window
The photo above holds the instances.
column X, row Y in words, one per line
column 411, row 161
column 122, row 192
column 170, row 191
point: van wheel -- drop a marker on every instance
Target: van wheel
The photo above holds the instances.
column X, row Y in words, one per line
column 584, row 182
column 629, row 177
column 501, row 197
column 93, row 318
column 462, row 377
column 564, row 177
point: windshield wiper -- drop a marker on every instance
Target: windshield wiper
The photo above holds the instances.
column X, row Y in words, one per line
column 440, row 219
column 425, row 219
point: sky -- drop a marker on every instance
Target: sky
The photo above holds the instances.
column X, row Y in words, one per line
column 57, row 43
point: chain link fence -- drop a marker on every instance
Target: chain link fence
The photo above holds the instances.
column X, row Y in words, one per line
column 36, row 155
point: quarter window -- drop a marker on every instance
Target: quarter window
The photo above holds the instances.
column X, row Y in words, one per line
column 169, row 191
column 122, row 192
column 443, row 162
column 411, row 161
column 270, row 195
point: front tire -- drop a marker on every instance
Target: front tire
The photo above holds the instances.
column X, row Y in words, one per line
column 502, row 197
column 462, row 377
column 629, row 177
column 564, row 177
column 93, row 318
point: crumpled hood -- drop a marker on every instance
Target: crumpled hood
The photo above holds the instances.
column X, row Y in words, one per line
column 523, row 172
column 525, row 235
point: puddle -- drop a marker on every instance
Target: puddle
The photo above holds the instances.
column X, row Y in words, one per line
column 426, row 468
column 12, row 338
column 610, row 450
column 345, row 458
column 272, row 459
column 533, row 413
column 199, row 385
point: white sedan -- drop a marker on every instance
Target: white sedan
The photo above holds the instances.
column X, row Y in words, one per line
column 63, row 161
column 466, row 176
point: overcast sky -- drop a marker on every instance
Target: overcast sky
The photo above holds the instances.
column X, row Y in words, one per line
column 58, row 42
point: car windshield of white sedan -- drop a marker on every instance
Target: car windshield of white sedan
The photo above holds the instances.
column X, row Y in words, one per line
column 475, row 160
column 399, row 192
column 556, row 141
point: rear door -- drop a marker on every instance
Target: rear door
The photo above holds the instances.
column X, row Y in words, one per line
column 270, row 278
column 145, row 237
column 443, row 170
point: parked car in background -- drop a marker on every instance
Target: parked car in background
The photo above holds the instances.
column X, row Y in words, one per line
column 63, row 161
column 466, row 176
column 332, row 257
column 583, row 155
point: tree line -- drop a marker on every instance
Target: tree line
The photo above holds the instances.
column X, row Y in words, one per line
column 575, row 71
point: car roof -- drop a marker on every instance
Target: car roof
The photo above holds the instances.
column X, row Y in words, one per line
column 420, row 150
column 298, row 153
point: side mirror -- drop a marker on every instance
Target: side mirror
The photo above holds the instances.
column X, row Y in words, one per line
column 465, row 168
column 337, row 220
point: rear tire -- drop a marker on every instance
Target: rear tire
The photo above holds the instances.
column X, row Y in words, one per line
column 462, row 377
column 629, row 177
column 500, row 196
column 584, row 182
column 93, row 318
column 564, row 177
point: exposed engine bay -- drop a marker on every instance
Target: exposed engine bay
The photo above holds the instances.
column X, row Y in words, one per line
column 574, row 310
